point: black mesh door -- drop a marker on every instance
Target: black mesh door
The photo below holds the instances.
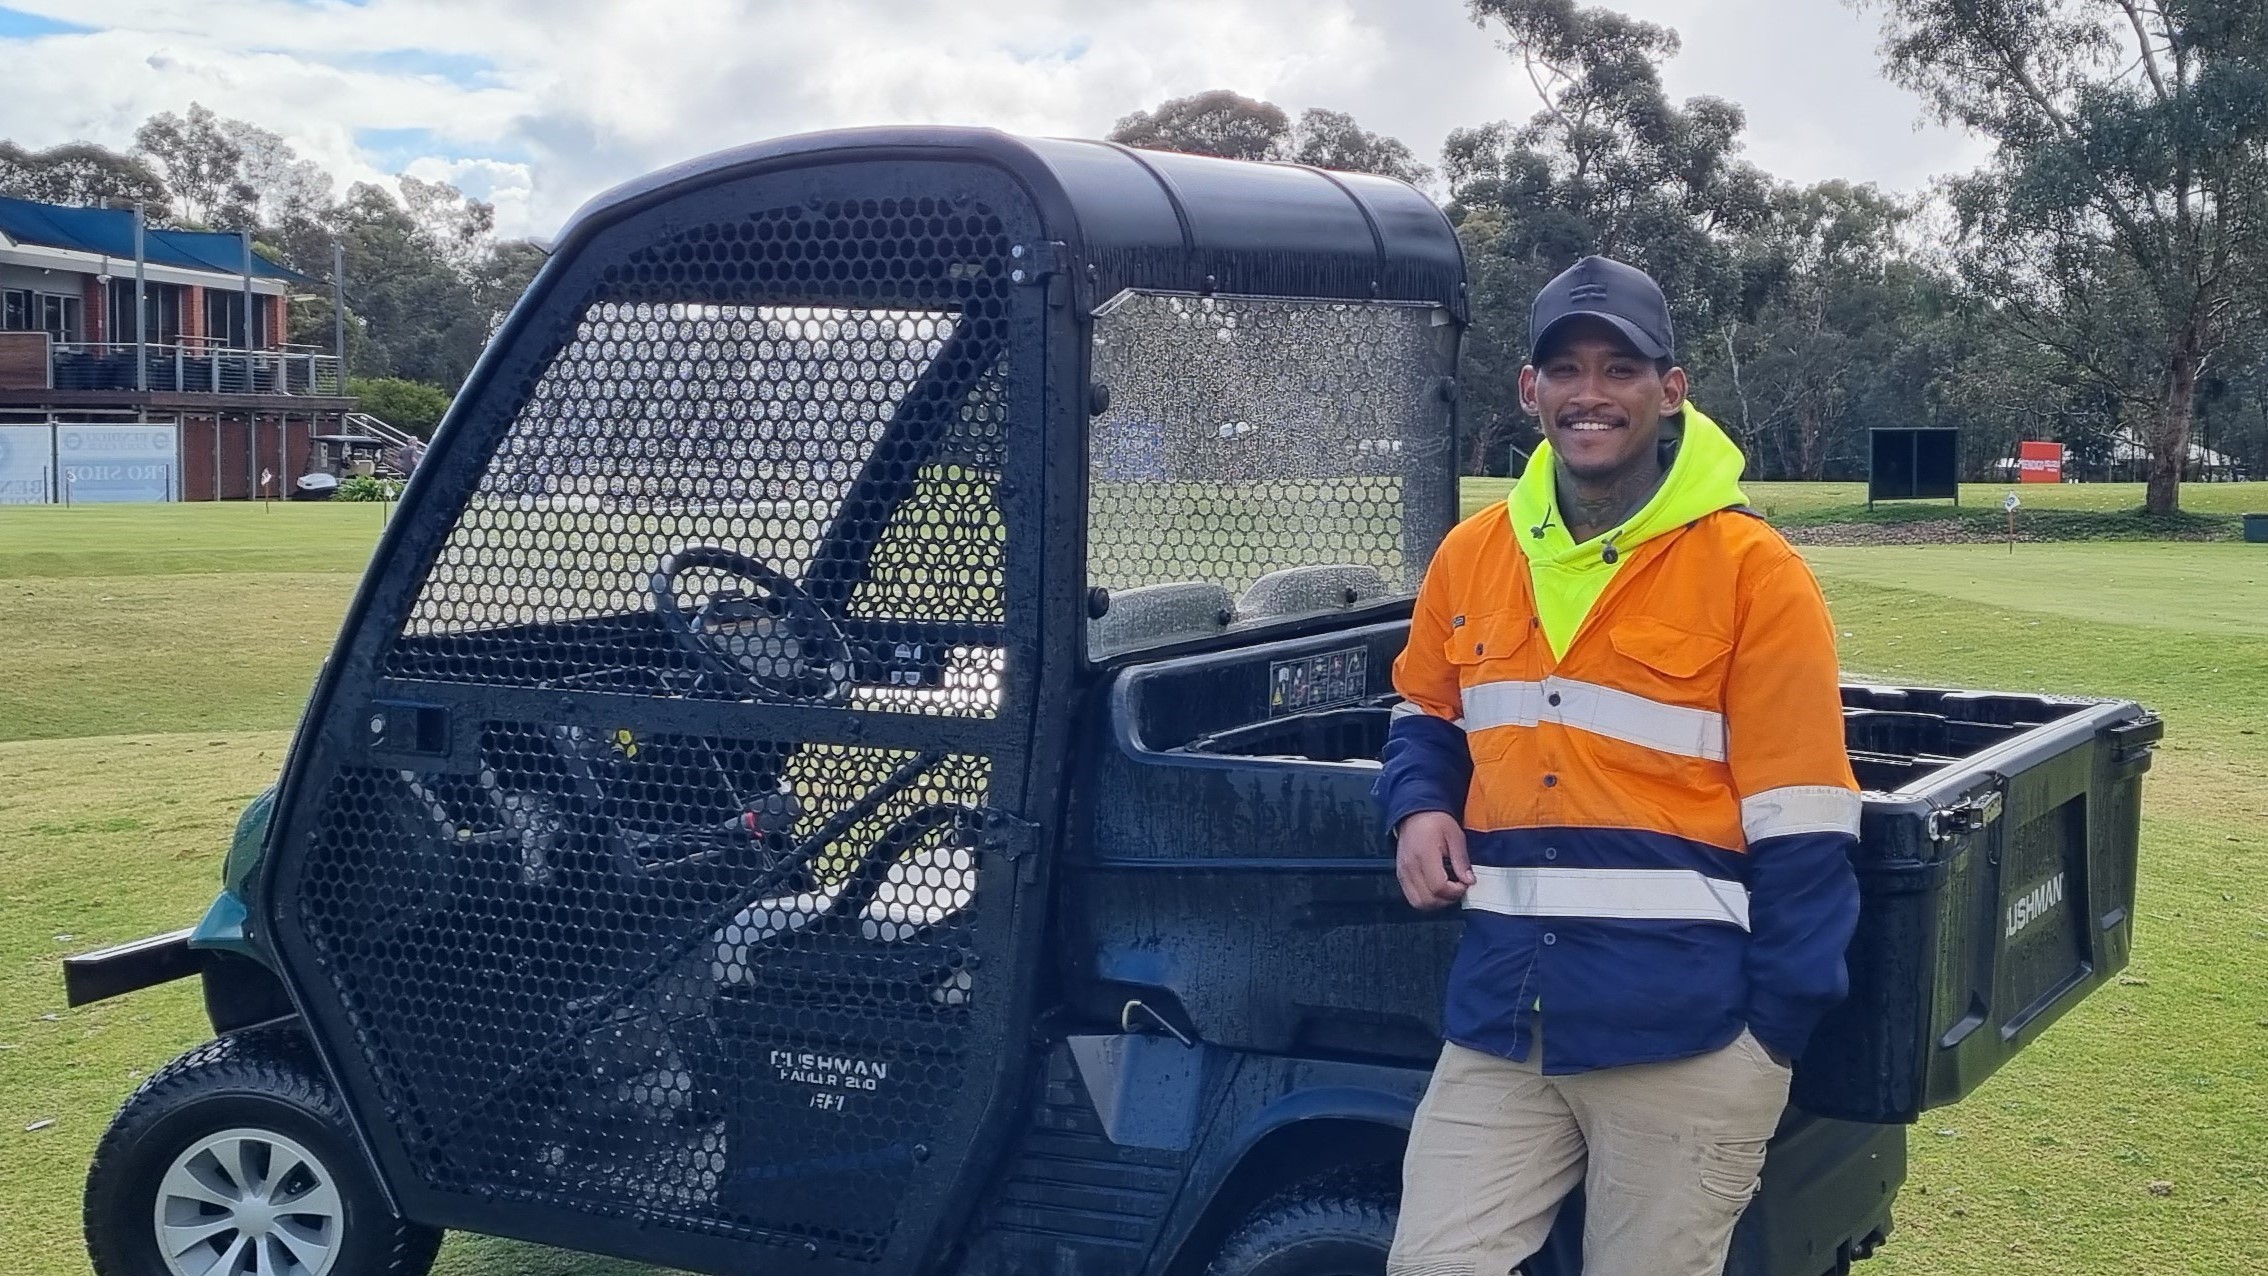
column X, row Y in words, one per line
column 656, row 871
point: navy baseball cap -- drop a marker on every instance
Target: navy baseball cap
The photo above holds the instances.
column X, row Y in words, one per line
column 1604, row 289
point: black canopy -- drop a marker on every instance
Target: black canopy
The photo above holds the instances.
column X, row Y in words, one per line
column 1154, row 220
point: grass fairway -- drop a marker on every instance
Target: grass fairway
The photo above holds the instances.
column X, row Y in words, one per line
column 156, row 657
column 137, row 654
column 2176, row 589
column 136, row 540
column 1814, row 502
column 1783, row 499
column 2128, row 1138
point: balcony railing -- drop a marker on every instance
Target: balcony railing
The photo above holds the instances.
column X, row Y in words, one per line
column 194, row 368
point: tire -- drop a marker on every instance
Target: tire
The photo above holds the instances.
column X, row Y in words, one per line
column 1333, row 1226
column 216, row 1121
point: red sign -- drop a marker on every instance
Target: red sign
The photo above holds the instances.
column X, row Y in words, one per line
column 2039, row 462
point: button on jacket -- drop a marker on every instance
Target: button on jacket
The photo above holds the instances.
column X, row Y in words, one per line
column 1642, row 735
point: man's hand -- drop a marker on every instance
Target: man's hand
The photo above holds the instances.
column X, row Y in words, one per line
column 1431, row 860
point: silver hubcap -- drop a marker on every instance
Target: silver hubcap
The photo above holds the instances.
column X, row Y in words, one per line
column 248, row 1203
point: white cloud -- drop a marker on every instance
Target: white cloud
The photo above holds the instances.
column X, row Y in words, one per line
column 510, row 187
column 538, row 105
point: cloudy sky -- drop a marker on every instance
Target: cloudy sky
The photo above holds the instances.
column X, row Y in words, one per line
column 538, row 104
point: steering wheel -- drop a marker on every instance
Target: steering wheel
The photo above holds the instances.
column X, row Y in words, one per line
column 778, row 642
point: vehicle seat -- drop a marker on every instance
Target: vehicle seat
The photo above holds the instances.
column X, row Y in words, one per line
column 1149, row 615
column 925, row 887
column 1300, row 591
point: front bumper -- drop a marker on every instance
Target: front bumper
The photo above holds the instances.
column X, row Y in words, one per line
column 129, row 967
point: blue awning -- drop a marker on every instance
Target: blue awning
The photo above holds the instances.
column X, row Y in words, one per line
column 110, row 231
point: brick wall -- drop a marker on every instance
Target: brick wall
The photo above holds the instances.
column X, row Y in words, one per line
column 216, row 463
column 192, row 314
column 94, row 309
column 198, row 443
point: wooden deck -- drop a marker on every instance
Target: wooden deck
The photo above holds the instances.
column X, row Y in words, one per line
column 169, row 402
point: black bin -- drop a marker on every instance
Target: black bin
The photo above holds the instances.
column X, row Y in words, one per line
column 1997, row 889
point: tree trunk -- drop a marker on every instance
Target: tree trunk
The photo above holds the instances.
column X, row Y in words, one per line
column 1482, row 442
column 1740, row 387
column 2169, row 443
column 1811, row 441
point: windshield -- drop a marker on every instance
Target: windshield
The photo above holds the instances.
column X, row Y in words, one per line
column 698, row 450
column 1261, row 459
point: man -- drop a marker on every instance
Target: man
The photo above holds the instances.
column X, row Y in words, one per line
column 1621, row 750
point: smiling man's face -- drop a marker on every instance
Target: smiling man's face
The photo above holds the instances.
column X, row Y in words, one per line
column 1601, row 402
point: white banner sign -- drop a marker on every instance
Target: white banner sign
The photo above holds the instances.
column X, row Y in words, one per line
column 26, row 461
column 103, row 463
column 26, row 465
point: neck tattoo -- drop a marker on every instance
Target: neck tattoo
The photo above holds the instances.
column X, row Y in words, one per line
column 1593, row 508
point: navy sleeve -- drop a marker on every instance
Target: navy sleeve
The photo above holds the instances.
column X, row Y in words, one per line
column 1803, row 909
column 1428, row 767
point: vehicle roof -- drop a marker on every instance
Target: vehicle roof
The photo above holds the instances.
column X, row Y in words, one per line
column 1151, row 220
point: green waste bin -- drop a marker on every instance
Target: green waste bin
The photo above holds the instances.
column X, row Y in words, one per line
column 2256, row 528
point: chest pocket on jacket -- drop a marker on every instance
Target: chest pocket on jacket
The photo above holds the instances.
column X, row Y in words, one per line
column 1497, row 684
column 1671, row 684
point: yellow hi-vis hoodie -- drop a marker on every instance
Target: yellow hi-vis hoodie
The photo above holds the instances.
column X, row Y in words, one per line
column 1704, row 477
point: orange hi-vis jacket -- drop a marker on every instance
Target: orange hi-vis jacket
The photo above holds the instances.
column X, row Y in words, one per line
column 1660, row 815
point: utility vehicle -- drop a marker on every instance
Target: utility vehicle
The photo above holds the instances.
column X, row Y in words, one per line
column 853, row 756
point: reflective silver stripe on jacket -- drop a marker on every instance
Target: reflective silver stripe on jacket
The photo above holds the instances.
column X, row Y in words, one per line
column 1646, row 894
column 1603, row 711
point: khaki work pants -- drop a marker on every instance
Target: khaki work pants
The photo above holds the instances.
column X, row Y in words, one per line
column 1667, row 1153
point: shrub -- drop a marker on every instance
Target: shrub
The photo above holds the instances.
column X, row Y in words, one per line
column 359, row 488
column 406, row 405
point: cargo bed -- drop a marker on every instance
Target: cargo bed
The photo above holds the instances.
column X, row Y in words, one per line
column 1996, row 860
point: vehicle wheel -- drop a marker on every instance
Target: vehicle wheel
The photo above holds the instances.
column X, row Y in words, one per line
column 236, row 1160
column 1332, row 1226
